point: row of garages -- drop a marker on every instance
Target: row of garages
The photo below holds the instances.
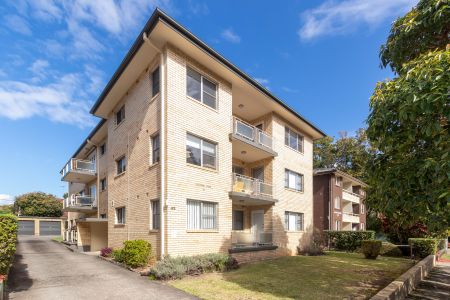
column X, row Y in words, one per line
column 40, row 226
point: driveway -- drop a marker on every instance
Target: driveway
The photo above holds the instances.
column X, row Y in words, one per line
column 44, row 269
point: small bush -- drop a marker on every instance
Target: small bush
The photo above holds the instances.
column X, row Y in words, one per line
column 389, row 249
column 371, row 248
column 348, row 240
column 106, row 252
column 422, row 247
column 135, row 253
column 8, row 239
column 178, row 267
column 117, row 255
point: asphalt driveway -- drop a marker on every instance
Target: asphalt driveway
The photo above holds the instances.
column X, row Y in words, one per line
column 44, row 269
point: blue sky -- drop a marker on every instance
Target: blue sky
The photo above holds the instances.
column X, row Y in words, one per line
column 320, row 57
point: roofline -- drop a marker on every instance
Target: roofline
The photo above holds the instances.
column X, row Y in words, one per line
column 157, row 15
column 318, row 172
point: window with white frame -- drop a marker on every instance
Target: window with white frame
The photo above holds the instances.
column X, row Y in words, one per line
column 338, row 180
column 337, row 225
column 155, row 82
column 120, row 215
column 238, row 220
column 201, row 215
column 120, row 115
column 363, row 226
column 201, row 89
column 362, row 208
column 155, row 144
column 293, row 180
column 293, row 221
column 200, row 152
column 337, row 202
column 293, row 140
column 121, row 165
column 156, row 213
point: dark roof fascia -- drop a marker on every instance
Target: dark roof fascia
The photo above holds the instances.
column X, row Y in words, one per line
column 159, row 15
column 318, row 172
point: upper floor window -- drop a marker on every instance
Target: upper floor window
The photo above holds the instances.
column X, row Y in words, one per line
column 293, row 221
column 102, row 149
column 293, row 180
column 200, row 152
column 293, row 140
column 120, row 115
column 121, row 165
column 155, row 82
column 103, row 184
column 362, row 208
column 156, row 214
column 201, row 215
column 120, row 215
column 201, row 89
column 338, row 181
column 155, row 149
column 337, row 202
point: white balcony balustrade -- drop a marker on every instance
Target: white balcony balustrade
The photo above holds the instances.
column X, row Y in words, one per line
column 79, row 170
column 252, row 133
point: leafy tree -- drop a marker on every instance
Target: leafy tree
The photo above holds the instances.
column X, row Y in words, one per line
column 6, row 209
column 38, row 204
column 409, row 122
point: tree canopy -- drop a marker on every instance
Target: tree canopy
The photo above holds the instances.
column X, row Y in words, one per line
column 38, row 204
column 408, row 124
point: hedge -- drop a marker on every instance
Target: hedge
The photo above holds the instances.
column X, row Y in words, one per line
column 422, row 247
column 135, row 253
column 348, row 240
column 8, row 239
column 371, row 248
column 392, row 250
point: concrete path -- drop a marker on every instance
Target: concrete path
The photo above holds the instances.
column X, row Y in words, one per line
column 435, row 286
column 44, row 269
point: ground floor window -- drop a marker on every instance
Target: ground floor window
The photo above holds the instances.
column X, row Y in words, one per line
column 120, row 215
column 238, row 220
column 337, row 225
column 201, row 215
column 363, row 226
column 293, row 221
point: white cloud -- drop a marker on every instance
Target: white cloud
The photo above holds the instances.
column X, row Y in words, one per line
column 84, row 43
column 95, row 78
column 18, row 24
column 289, row 90
column 333, row 17
column 39, row 69
column 6, row 199
column 198, row 8
column 262, row 81
column 230, row 36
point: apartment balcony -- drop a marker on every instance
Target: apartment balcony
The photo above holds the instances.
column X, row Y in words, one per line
column 250, row 143
column 349, row 196
column 251, row 191
column 80, row 203
column 242, row 241
column 350, row 217
column 78, row 170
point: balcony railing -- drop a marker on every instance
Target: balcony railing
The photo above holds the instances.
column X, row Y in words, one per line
column 81, row 201
column 240, row 239
column 251, row 186
column 252, row 133
column 350, row 217
column 79, row 165
column 350, row 196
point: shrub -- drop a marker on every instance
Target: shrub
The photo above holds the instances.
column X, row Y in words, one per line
column 135, row 253
column 106, row 252
column 389, row 249
column 348, row 240
column 8, row 239
column 422, row 247
column 371, row 248
column 178, row 267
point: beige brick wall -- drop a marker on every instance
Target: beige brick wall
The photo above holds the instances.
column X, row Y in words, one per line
column 102, row 172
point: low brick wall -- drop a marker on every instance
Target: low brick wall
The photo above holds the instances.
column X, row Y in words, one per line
column 245, row 257
column 402, row 286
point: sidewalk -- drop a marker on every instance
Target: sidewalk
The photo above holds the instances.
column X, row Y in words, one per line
column 436, row 285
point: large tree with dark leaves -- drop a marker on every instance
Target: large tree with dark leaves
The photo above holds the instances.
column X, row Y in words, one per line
column 38, row 204
column 408, row 123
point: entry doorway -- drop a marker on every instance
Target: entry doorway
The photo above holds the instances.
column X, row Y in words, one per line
column 257, row 224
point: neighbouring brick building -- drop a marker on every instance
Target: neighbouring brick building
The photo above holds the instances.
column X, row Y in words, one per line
column 338, row 201
column 191, row 155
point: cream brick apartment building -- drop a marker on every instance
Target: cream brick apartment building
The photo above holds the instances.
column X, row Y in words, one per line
column 192, row 155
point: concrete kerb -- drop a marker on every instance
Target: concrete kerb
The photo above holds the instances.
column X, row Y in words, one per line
column 405, row 284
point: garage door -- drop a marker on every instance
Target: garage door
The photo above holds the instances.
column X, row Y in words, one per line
column 49, row 228
column 26, row 227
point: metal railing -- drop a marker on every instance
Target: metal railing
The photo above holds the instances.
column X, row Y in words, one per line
column 79, row 165
column 251, row 186
column 251, row 133
column 250, row 239
column 80, row 201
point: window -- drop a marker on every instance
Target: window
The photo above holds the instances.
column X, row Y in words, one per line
column 293, row 139
column 238, row 170
column 338, row 181
column 337, row 202
column 337, row 225
column 362, row 208
column 102, row 216
column 362, row 192
column 155, row 82
column 120, row 215
column 363, row 226
column 120, row 115
column 238, row 220
column 102, row 149
column 156, row 213
column 103, row 184
column 293, row 180
column 155, row 149
column 200, row 152
column 201, row 215
column 121, row 165
column 293, row 221
column 201, row 89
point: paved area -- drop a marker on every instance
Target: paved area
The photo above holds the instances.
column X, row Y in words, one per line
column 44, row 269
column 435, row 286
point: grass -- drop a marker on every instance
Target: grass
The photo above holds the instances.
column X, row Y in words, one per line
column 446, row 256
column 336, row 275
column 58, row 239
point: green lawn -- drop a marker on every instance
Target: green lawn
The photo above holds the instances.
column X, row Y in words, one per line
column 336, row 275
column 446, row 256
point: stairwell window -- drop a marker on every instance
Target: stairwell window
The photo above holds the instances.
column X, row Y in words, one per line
column 293, row 140
column 294, row 221
column 200, row 152
column 201, row 215
column 103, row 184
column 155, row 82
column 120, row 215
column 156, row 213
column 338, row 180
column 337, row 225
column 155, row 149
column 293, row 180
column 120, row 115
column 337, row 202
column 201, row 89
column 103, row 149
column 362, row 208
column 121, row 165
